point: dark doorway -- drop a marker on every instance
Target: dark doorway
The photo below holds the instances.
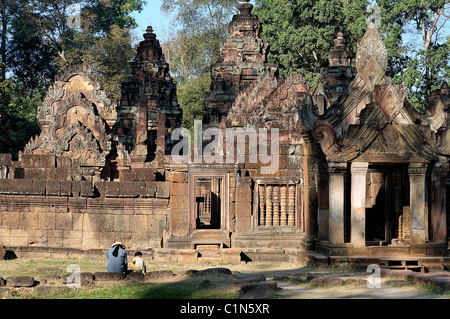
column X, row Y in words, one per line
column 378, row 206
column 208, row 202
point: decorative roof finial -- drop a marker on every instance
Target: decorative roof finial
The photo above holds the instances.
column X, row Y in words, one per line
column 245, row 7
column 149, row 35
column 340, row 55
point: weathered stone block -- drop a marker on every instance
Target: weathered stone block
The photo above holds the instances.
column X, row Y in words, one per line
column 20, row 281
column 144, row 174
column 53, row 188
column 13, row 186
column 87, row 189
column 179, row 202
column 178, row 177
column 5, row 159
column 66, row 188
column 76, row 188
column 150, row 189
column 63, row 221
column 122, row 223
column 36, row 173
column 25, row 187
column 29, row 160
column 179, row 189
column 4, row 185
column 127, row 189
column 327, row 281
column 243, row 209
column 179, row 222
column 162, row 189
column 47, row 161
column 243, row 224
column 231, row 255
column 126, row 176
column 112, row 189
column 109, row 276
column 58, row 174
column 100, row 188
column 140, row 189
column 63, row 162
column 243, row 195
column 159, row 274
column 39, row 187
column 187, row 256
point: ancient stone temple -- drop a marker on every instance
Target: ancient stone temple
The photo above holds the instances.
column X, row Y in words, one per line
column 346, row 173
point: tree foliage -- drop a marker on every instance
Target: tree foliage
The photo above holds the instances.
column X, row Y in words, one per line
column 202, row 25
column 301, row 33
column 40, row 36
column 417, row 36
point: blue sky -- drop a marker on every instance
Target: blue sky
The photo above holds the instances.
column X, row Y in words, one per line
column 151, row 15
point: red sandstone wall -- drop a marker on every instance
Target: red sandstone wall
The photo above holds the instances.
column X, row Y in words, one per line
column 82, row 215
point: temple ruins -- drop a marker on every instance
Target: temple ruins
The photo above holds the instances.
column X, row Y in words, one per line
column 358, row 175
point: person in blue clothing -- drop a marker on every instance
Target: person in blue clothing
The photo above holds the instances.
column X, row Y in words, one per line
column 117, row 258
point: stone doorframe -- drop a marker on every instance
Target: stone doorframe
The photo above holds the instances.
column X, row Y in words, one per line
column 224, row 208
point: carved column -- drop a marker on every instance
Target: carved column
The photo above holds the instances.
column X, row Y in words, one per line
column 419, row 209
column 283, row 203
column 269, row 190
column 276, row 205
column 439, row 203
column 262, row 212
column 291, row 205
column 139, row 154
column 336, row 184
column 358, row 203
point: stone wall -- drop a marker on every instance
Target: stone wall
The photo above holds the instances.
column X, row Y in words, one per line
column 81, row 214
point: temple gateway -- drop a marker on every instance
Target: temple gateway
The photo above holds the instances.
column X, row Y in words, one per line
column 346, row 173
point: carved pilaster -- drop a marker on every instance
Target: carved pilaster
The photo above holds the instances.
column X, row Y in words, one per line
column 336, row 221
column 419, row 209
column 358, row 203
column 269, row 192
column 276, row 205
column 262, row 207
column 283, row 203
column 291, row 205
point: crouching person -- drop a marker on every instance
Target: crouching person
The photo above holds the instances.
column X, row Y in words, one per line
column 138, row 264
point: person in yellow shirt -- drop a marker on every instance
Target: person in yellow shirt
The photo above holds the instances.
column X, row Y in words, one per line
column 138, row 264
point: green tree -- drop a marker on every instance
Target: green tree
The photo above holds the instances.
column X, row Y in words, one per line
column 17, row 116
column 110, row 56
column 201, row 26
column 417, row 37
column 301, row 33
column 38, row 38
column 191, row 96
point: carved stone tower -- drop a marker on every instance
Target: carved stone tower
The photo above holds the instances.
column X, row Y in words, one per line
column 149, row 104
column 243, row 60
